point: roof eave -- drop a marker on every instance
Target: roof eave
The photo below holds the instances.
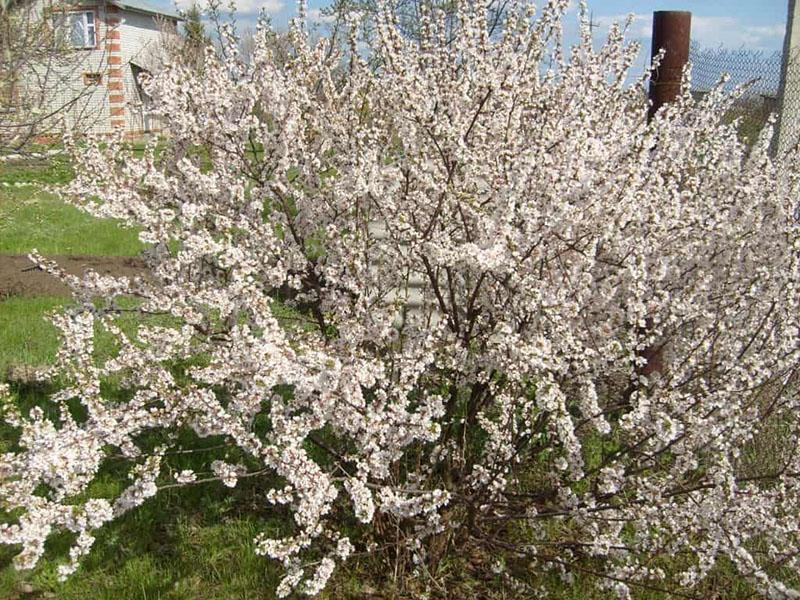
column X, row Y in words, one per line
column 138, row 9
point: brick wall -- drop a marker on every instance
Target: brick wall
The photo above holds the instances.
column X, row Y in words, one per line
column 116, row 79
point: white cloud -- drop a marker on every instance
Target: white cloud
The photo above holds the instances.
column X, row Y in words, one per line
column 315, row 15
column 254, row 6
column 641, row 24
column 731, row 32
column 727, row 31
column 244, row 7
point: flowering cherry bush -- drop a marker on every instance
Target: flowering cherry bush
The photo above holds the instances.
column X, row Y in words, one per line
column 464, row 291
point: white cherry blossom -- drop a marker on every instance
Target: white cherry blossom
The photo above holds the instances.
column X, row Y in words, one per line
column 451, row 283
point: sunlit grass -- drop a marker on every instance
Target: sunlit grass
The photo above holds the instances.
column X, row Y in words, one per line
column 31, row 218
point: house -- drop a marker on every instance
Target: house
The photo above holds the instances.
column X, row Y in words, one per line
column 110, row 44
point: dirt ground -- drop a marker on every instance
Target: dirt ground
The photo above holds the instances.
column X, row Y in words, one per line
column 18, row 276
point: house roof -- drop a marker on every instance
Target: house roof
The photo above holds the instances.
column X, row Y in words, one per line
column 143, row 6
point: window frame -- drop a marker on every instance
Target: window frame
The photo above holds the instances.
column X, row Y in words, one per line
column 90, row 40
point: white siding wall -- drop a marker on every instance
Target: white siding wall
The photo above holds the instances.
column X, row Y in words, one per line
column 122, row 36
column 61, row 83
column 140, row 38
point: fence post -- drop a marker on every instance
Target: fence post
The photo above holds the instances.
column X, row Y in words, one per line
column 788, row 100
column 672, row 32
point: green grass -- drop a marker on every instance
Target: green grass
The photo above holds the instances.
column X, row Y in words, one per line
column 33, row 219
column 192, row 544
column 53, row 170
column 195, row 543
column 26, row 337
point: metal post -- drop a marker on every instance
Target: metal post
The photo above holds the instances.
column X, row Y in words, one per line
column 672, row 32
column 789, row 90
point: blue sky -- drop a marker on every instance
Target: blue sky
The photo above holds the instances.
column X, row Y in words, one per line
column 755, row 24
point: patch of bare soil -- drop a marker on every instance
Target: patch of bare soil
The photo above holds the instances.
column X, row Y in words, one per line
column 18, row 276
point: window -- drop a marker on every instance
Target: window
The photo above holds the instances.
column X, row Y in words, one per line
column 92, row 78
column 77, row 28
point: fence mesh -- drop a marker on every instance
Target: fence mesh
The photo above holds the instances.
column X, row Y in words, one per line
column 761, row 73
column 760, row 69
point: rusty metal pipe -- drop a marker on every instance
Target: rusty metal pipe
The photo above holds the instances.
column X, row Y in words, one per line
column 672, row 32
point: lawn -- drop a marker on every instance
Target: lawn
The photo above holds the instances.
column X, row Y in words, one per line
column 192, row 544
column 26, row 337
column 31, row 218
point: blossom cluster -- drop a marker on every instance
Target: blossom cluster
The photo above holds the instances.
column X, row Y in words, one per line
column 464, row 282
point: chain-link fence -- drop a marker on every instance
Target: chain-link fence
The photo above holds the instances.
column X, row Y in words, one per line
column 760, row 72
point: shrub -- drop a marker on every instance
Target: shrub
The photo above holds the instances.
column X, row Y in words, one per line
column 464, row 291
